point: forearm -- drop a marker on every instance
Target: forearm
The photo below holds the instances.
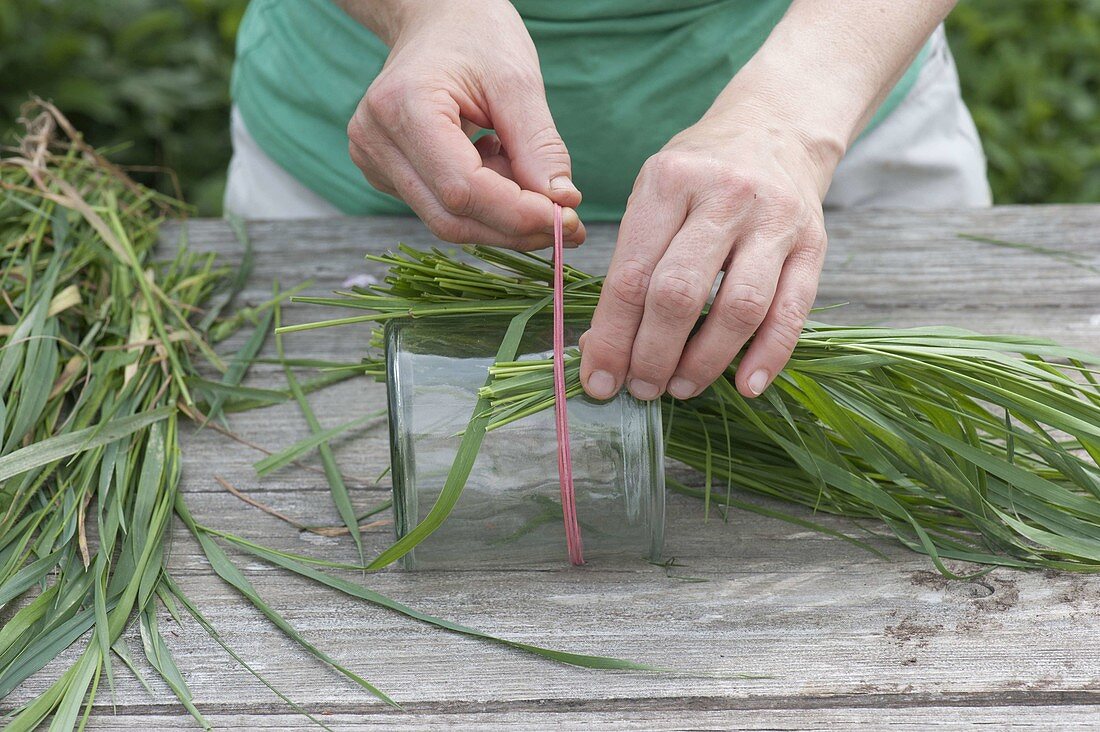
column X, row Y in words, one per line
column 827, row 66
column 389, row 19
column 384, row 18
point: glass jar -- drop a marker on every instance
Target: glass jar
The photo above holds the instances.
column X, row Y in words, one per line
column 509, row 513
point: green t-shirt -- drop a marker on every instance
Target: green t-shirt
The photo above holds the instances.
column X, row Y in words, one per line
column 622, row 77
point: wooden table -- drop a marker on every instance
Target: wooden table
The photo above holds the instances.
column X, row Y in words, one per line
column 848, row 640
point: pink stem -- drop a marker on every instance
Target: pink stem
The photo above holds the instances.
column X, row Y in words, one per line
column 565, row 456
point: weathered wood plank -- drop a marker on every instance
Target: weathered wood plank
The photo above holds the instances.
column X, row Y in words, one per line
column 918, row 718
column 818, row 616
column 848, row 639
column 898, row 267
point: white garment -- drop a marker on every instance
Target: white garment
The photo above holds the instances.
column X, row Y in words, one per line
column 925, row 154
column 257, row 187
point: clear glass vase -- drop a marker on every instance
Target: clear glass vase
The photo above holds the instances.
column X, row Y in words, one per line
column 509, row 513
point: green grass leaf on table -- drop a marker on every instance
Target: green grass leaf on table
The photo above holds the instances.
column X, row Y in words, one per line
column 354, row 590
column 238, row 367
column 240, row 278
column 337, row 488
column 229, row 572
column 303, row 447
column 193, row 609
column 62, row 446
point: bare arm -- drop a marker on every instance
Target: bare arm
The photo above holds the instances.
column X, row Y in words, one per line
column 828, row 66
column 740, row 191
column 383, row 17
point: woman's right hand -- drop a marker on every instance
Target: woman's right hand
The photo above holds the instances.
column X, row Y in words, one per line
column 456, row 67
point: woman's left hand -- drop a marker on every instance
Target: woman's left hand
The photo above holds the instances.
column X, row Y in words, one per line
column 739, row 194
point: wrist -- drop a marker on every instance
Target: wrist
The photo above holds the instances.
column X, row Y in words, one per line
column 392, row 19
column 387, row 19
column 826, row 67
column 815, row 144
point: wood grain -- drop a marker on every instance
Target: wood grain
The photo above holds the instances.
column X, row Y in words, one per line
column 962, row 716
column 845, row 638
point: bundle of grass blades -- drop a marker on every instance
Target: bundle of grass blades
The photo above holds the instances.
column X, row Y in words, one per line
column 966, row 446
column 92, row 363
column 100, row 353
column 97, row 342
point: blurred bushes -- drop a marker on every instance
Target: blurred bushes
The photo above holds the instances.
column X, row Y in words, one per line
column 1030, row 71
column 153, row 76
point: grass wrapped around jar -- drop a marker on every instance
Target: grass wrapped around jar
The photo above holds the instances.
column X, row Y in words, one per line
column 964, row 446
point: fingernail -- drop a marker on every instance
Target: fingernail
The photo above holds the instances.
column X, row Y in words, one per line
column 758, row 382
column 681, row 388
column 644, row 390
column 570, row 222
column 563, row 183
column 601, row 385
column 578, row 236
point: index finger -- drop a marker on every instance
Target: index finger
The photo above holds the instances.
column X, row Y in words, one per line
column 648, row 226
column 431, row 137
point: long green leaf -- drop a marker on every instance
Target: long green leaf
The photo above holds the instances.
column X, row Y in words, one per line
column 337, row 488
column 466, row 454
column 62, row 446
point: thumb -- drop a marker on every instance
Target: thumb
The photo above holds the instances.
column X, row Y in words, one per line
column 540, row 160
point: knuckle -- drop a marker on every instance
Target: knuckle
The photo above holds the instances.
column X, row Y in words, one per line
column 516, row 80
column 375, row 179
column 727, row 192
column 669, row 168
column 456, row 195
column 629, row 283
column 783, row 216
column 554, row 156
column 357, row 153
column 787, row 322
column 384, row 101
column 357, row 136
column 708, row 365
column 743, row 308
column 678, row 294
column 734, row 186
column 368, row 166
column 522, row 226
column 815, row 237
column 363, row 146
column 785, row 206
column 649, row 367
column 545, row 142
column 607, row 351
column 445, row 227
column 808, row 257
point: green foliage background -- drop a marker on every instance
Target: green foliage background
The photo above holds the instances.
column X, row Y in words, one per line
column 153, row 76
column 149, row 75
column 1030, row 71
